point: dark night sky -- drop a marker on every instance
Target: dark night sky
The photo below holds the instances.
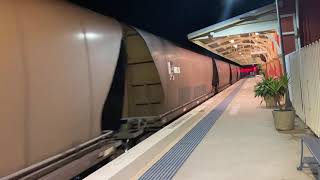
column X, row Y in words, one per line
column 173, row 19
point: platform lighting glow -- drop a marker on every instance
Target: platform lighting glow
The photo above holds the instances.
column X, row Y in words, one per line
column 235, row 46
column 231, row 41
column 204, row 37
column 257, row 34
column 88, row 35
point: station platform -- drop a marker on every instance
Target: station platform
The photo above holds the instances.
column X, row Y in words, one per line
column 231, row 136
column 243, row 144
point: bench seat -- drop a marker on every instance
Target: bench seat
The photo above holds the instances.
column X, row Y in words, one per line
column 313, row 144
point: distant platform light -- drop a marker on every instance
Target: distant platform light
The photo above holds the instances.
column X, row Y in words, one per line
column 235, row 46
column 257, row 34
column 231, row 41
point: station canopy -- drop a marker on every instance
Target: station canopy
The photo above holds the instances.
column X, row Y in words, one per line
column 250, row 38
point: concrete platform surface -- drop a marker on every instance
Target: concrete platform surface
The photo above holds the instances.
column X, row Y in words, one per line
column 243, row 144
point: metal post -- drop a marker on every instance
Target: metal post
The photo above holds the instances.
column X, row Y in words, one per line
column 301, row 157
column 298, row 25
column 287, row 103
column 281, row 38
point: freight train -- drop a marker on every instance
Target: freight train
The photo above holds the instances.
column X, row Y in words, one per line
column 72, row 79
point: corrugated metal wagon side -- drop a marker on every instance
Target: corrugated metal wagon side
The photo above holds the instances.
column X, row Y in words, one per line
column 238, row 73
column 234, row 73
column 168, row 80
column 223, row 74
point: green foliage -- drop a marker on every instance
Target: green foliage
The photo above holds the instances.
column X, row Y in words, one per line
column 272, row 87
column 262, row 89
column 279, row 86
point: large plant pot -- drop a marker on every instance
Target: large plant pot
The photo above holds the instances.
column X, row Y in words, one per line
column 270, row 102
column 284, row 119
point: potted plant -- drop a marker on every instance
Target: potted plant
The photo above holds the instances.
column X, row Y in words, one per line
column 285, row 115
column 262, row 90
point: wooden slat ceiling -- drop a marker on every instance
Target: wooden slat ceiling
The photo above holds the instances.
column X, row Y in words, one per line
column 250, row 38
column 244, row 49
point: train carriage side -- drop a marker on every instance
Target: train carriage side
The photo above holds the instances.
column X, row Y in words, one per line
column 162, row 80
column 234, row 74
column 238, row 73
column 224, row 74
column 57, row 64
column 73, row 72
column 215, row 76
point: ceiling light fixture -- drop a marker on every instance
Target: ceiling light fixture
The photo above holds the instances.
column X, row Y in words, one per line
column 204, row 37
